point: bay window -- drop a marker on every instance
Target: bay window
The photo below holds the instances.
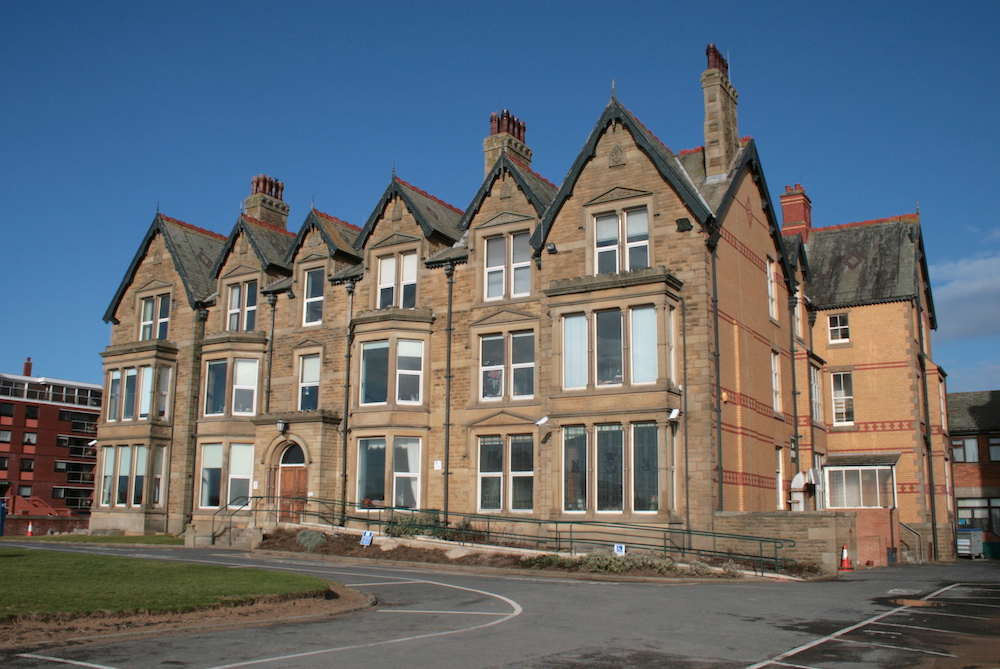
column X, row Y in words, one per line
column 240, row 473
column 405, row 474
column 114, row 394
column 215, row 387
column 625, row 474
column 244, row 387
column 211, row 475
column 612, row 330
column 405, row 369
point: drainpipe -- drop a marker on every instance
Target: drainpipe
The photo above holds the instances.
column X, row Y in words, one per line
column 795, row 392
column 449, row 271
column 199, row 334
column 812, row 426
column 349, row 286
column 684, row 404
column 928, row 442
column 713, row 245
column 272, row 301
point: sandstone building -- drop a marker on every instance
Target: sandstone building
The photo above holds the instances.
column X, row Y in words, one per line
column 633, row 345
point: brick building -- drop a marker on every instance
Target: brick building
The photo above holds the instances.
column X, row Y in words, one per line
column 974, row 427
column 616, row 347
column 47, row 458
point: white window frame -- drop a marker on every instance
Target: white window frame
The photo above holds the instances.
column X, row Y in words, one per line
column 114, row 395
column 364, row 379
column 581, row 359
column 611, row 352
column 163, row 392
column 417, row 373
column 506, row 476
column 307, row 384
column 240, row 469
column 776, row 381
column 510, row 266
column 247, row 364
column 209, row 365
column 507, row 369
column 215, row 457
column 395, row 372
column 815, row 391
column 397, row 280
column 838, row 326
column 153, row 321
column 145, row 392
column 852, row 470
column 772, row 290
column 842, row 402
column 240, row 308
column 130, row 395
column 408, row 475
column 311, row 278
column 123, row 471
column 620, row 246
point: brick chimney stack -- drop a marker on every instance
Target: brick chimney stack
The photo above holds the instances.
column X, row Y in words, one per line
column 265, row 203
column 506, row 134
column 722, row 136
column 796, row 212
column 27, row 367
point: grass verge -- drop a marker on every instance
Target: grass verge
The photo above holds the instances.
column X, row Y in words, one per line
column 56, row 585
column 155, row 539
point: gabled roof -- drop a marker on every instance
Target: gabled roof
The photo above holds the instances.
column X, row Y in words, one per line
column 338, row 235
column 193, row 251
column 974, row 412
column 433, row 215
column 868, row 262
column 795, row 252
column 536, row 188
column 666, row 164
column 269, row 242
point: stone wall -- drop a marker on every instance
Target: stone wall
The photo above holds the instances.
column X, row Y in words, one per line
column 819, row 535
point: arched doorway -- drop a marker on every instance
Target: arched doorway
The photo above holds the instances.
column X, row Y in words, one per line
column 293, row 484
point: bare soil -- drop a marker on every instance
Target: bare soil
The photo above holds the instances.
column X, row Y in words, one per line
column 40, row 632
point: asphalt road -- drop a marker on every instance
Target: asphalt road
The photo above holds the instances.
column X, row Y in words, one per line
column 945, row 615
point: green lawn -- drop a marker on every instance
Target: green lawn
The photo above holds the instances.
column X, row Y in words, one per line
column 48, row 583
column 156, row 539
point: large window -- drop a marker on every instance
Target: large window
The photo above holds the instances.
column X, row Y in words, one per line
column 244, row 387
column 625, row 470
column 215, row 387
column 506, row 472
column 979, row 514
column 135, row 393
column 965, row 450
column 124, row 475
column 839, row 329
column 242, row 313
column 507, row 366
column 309, row 369
column 860, row 487
column 776, row 381
column 621, row 241
column 611, row 332
column 211, row 475
column 815, row 393
column 508, row 266
column 397, row 281
column 124, row 480
column 240, row 473
column 154, row 317
column 128, row 399
column 843, row 398
column 407, row 371
column 405, row 474
column 312, row 305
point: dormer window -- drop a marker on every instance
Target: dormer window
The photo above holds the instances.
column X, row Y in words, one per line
column 397, row 281
column 622, row 241
column 508, row 266
column 242, row 306
column 155, row 317
column 312, row 313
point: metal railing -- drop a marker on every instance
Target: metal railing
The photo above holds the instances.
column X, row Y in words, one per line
column 572, row 536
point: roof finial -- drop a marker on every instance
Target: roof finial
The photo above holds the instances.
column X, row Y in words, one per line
column 918, row 207
column 157, row 207
column 394, row 169
column 312, row 202
column 613, row 96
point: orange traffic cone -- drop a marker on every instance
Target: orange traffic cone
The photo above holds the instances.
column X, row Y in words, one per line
column 845, row 562
column 30, row 533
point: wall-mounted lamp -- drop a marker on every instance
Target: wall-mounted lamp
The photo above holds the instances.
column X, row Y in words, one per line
column 673, row 415
column 282, row 426
column 551, row 248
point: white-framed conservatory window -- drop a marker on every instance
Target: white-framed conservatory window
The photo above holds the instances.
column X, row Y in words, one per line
column 860, row 487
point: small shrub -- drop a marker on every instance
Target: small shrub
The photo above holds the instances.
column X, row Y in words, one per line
column 310, row 539
column 732, row 569
column 412, row 524
column 699, row 569
column 547, row 561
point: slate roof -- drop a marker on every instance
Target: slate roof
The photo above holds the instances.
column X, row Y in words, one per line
column 869, row 262
column 433, row 215
column 973, row 413
column 539, row 191
column 861, row 460
column 269, row 242
column 193, row 250
column 338, row 235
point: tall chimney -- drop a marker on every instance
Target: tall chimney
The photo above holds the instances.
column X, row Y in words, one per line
column 265, row 203
column 722, row 137
column 506, row 134
column 27, row 367
column 796, row 212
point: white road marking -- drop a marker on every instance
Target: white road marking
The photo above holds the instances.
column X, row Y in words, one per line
column 454, row 613
column 885, row 645
column 62, row 661
column 926, row 629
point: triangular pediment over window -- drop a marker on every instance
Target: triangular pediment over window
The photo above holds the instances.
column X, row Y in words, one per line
column 397, row 238
column 155, row 284
column 503, row 317
column 502, row 418
column 504, row 218
column 311, row 257
column 240, row 270
column 308, row 343
column 618, row 193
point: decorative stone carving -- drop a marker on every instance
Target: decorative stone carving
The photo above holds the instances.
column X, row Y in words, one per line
column 617, row 156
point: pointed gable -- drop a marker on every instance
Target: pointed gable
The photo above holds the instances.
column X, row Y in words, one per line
column 339, row 236
column 665, row 162
column 537, row 190
column 193, row 251
column 434, row 216
column 269, row 243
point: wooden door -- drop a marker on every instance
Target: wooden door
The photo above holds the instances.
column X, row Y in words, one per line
column 293, row 486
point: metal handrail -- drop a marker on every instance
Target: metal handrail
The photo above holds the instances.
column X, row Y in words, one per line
column 556, row 535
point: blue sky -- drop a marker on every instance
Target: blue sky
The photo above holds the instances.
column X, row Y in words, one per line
column 111, row 109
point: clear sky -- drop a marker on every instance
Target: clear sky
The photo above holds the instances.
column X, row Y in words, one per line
column 112, row 109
